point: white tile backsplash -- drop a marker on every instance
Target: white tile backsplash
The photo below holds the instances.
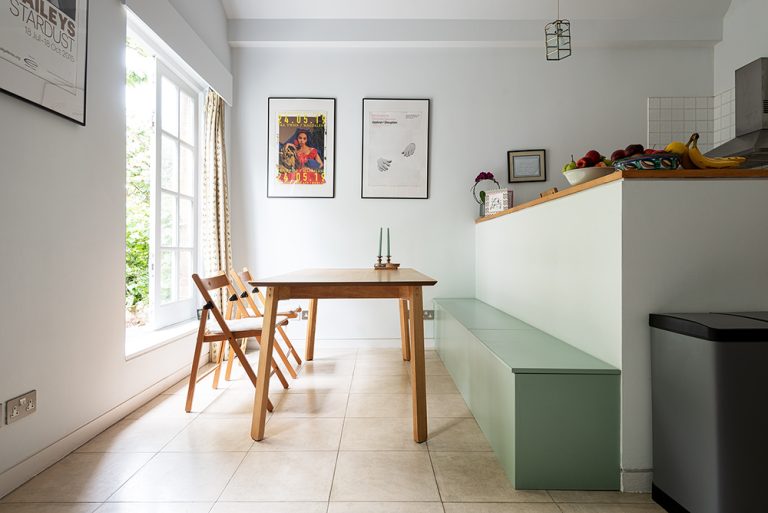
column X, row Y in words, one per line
column 724, row 116
column 676, row 118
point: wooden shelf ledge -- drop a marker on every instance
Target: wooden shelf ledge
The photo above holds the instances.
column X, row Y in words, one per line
column 685, row 174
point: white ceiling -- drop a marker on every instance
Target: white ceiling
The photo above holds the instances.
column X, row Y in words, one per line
column 641, row 10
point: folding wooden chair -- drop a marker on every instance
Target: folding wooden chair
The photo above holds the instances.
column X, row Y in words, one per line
column 252, row 310
column 224, row 330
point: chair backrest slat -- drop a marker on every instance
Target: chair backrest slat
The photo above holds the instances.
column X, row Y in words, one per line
column 205, row 286
column 240, row 279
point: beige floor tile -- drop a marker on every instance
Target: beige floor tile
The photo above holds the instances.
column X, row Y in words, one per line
column 380, row 353
column 385, row 507
column 80, row 477
column 37, row 507
column 379, row 405
column 447, row 405
column 371, row 384
column 137, row 435
column 431, row 354
column 609, row 508
column 496, row 507
column 456, row 434
column 327, row 368
column 321, row 384
column 477, row 477
column 155, row 507
column 386, row 367
column 172, row 406
column 600, row 497
column 282, row 476
column 213, row 434
column 441, row 385
column 361, row 434
column 297, row 434
column 384, row 476
column 270, row 507
column 239, row 402
column 435, row 367
column 177, row 476
column 325, row 353
column 312, row 404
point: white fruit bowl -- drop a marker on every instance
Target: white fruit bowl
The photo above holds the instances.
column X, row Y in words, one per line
column 585, row 174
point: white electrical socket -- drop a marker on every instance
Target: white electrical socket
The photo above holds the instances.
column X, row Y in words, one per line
column 20, row 407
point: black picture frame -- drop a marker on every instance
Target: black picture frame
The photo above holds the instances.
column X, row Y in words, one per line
column 427, row 139
column 30, row 72
column 272, row 158
column 518, row 173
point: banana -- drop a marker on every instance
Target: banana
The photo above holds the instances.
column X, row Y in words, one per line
column 681, row 150
column 702, row 162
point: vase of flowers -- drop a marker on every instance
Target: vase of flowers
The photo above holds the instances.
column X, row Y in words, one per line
column 485, row 178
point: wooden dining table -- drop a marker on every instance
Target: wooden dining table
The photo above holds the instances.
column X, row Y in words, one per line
column 315, row 284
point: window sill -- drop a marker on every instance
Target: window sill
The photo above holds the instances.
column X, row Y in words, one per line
column 140, row 341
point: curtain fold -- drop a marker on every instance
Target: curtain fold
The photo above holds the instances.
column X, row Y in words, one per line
column 215, row 230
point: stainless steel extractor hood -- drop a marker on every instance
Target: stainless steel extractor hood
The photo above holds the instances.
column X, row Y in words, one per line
column 751, row 116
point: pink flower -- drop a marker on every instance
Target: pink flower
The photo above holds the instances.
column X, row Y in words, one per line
column 485, row 175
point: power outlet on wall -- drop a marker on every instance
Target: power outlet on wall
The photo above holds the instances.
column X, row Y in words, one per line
column 304, row 315
column 20, row 407
column 429, row 315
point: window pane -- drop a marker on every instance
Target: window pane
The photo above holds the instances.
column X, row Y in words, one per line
column 187, row 171
column 169, row 172
column 167, row 276
column 186, row 223
column 168, row 221
column 185, row 274
column 170, row 106
column 187, row 118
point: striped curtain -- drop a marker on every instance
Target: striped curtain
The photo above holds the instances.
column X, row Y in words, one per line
column 215, row 231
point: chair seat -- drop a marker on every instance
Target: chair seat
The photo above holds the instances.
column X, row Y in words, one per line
column 245, row 324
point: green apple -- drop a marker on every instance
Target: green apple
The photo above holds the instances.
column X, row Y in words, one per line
column 570, row 165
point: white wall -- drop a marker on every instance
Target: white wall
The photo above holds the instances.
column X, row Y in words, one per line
column 485, row 101
column 208, row 20
column 62, row 253
column 744, row 40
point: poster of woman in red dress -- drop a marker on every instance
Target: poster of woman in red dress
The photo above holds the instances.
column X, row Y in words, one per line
column 301, row 147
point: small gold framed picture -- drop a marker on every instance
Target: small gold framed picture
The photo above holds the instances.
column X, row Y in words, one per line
column 527, row 166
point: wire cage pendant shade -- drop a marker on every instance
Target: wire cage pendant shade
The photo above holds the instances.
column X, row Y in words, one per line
column 558, row 38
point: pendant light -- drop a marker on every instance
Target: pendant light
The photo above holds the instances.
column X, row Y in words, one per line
column 558, row 38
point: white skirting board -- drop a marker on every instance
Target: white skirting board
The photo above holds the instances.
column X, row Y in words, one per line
column 27, row 469
column 636, row 480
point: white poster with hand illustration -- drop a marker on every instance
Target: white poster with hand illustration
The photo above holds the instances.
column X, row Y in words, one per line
column 395, row 148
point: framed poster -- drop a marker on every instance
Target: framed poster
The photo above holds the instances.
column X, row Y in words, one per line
column 527, row 166
column 395, row 148
column 43, row 53
column 301, row 145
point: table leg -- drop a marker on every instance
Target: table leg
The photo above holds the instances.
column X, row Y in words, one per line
column 404, row 334
column 418, row 380
column 309, row 351
column 265, row 365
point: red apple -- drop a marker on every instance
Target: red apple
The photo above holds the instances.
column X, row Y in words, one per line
column 618, row 155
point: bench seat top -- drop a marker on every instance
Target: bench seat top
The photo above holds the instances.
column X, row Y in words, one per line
column 523, row 348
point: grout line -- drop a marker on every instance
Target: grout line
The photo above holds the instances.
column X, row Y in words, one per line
column 341, row 436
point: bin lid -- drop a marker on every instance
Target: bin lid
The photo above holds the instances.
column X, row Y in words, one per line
column 717, row 327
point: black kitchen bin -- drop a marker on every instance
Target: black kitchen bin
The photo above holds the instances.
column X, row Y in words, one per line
column 709, row 376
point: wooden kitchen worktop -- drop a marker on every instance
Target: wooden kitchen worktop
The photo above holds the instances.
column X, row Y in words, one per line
column 632, row 175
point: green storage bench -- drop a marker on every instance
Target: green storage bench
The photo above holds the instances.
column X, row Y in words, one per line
column 549, row 410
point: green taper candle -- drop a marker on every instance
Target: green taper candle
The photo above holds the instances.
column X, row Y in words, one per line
column 388, row 253
column 380, row 232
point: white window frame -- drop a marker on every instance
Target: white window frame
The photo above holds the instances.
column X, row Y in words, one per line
column 178, row 310
column 171, row 66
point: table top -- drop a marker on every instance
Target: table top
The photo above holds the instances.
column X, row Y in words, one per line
column 407, row 277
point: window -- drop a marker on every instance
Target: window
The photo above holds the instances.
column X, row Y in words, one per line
column 163, row 159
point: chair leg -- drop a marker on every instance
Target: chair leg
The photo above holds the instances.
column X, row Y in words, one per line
column 193, row 372
column 219, row 362
column 247, row 366
column 276, row 370
column 291, row 349
column 230, row 363
column 284, row 358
